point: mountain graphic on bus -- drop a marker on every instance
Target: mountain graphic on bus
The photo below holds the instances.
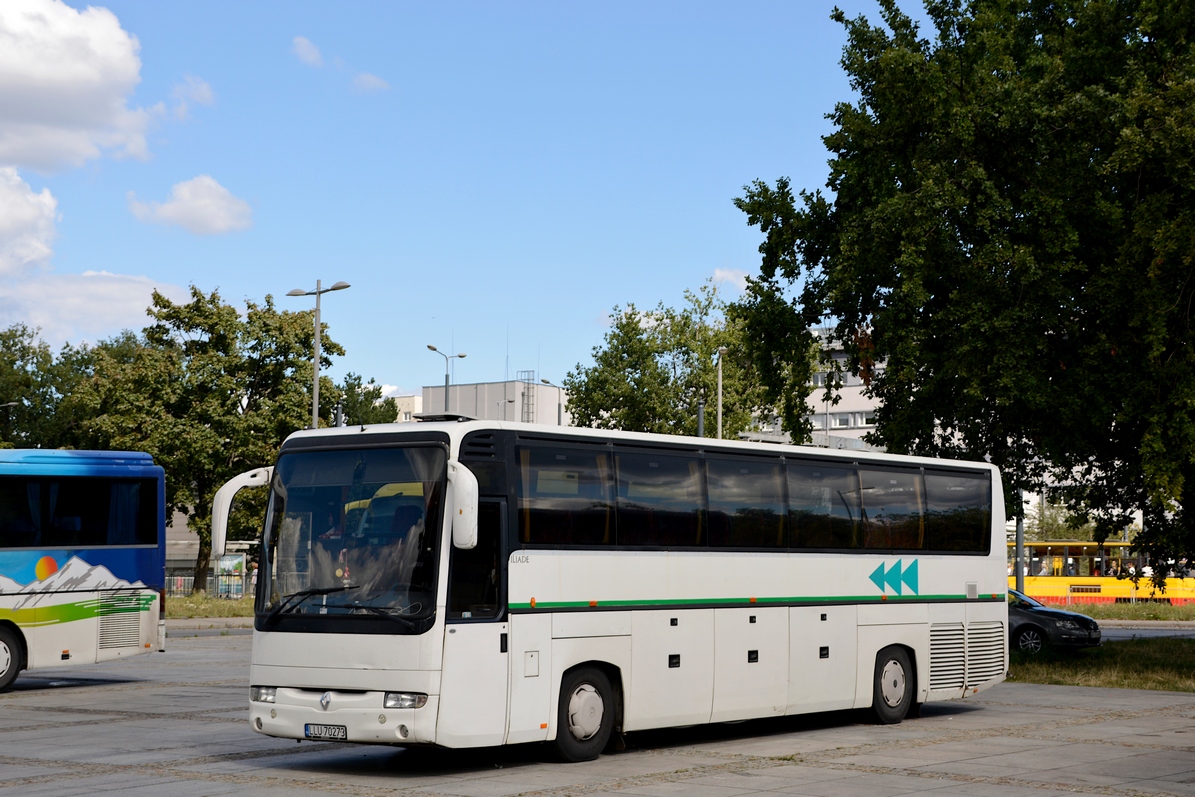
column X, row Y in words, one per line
column 74, row 576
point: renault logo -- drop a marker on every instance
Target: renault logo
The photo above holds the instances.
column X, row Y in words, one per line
column 325, row 700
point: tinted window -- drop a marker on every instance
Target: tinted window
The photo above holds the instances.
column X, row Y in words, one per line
column 475, row 573
column 823, row 506
column 746, row 502
column 891, row 509
column 659, row 500
column 77, row 512
column 20, row 513
column 958, row 512
column 564, row 496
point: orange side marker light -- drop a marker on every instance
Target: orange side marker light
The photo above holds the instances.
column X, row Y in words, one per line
column 592, row 604
column 533, row 603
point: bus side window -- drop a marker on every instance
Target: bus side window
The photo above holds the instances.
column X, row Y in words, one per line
column 891, row 511
column 746, row 504
column 474, row 573
column 20, row 512
column 564, row 496
column 659, row 500
column 823, row 506
column 958, row 512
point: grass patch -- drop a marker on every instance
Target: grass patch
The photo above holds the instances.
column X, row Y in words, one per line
column 1164, row 664
column 1133, row 611
column 204, row 606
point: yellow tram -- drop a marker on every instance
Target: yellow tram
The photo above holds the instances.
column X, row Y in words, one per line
column 1073, row 571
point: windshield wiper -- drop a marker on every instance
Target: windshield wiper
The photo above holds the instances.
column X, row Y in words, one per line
column 405, row 622
column 303, row 593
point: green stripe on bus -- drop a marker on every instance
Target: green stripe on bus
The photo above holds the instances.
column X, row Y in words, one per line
column 69, row 612
column 742, row 602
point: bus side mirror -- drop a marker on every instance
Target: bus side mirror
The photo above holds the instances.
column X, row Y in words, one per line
column 222, row 503
column 464, row 505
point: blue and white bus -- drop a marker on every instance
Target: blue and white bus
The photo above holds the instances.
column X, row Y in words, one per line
column 82, row 558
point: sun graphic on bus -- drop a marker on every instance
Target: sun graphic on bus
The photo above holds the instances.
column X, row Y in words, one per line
column 45, row 567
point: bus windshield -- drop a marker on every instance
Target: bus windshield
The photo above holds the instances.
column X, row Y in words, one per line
column 352, row 535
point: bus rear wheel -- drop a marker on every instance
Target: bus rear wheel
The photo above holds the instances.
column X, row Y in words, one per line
column 892, row 694
column 586, row 715
column 10, row 659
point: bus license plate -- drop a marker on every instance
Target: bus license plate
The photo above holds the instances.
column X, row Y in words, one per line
column 337, row 733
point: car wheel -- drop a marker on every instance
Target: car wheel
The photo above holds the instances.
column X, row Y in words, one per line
column 892, row 692
column 10, row 659
column 1030, row 640
column 586, row 715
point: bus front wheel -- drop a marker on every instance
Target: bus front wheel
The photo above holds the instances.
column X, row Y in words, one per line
column 10, row 658
column 892, row 695
column 586, row 715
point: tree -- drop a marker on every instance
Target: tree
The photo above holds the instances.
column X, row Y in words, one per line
column 208, row 392
column 362, row 402
column 1050, row 521
column 24, row 382
column 1010, row 228
column 654, row 367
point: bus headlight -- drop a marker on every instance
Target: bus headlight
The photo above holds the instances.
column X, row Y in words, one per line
column 262, row 694
column 405, row 700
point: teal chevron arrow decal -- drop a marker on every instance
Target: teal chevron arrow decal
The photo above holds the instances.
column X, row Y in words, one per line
column 893, row 578
column 909, row 579
column 877, row 577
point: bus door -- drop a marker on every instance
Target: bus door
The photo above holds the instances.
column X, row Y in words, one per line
column 473, row 685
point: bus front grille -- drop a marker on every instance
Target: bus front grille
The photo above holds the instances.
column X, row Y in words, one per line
column 120, row 619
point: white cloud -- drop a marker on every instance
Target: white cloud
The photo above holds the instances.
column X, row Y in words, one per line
column 391, row 391
column 78, row 307
column 192, row 89
column 200, row 205
column 306, row 51
column 366, row 83
column 65, row 80
column 27, row 222
column 731, row 276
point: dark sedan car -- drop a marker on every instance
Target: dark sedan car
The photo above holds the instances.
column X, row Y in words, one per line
column 1033, row 626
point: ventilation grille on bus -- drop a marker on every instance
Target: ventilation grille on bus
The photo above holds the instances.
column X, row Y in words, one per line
column 947, row 656
column 120, row 620
column 985, row 652
column 479, row 446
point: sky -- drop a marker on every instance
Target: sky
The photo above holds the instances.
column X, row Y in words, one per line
column 490, row 178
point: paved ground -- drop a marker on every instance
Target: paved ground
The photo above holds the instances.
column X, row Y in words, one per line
column 175, row 724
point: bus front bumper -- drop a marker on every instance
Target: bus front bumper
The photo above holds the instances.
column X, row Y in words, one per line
column 347, row 717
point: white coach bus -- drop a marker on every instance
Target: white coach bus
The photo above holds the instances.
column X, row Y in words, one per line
column 466, row 583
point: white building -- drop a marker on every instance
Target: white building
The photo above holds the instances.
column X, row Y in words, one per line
column 409, row 407
column 526, row 399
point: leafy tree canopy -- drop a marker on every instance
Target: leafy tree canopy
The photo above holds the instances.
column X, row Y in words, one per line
column 1009, row 228
column 653, row 367
column 362, row 402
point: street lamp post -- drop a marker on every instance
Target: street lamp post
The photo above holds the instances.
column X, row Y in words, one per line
column 446, row 357
column 721, row 353
column 501, row 405
column 319, row 291
column 559, row 402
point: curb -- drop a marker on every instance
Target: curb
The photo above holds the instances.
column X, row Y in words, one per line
column 1185, row 624
column 200, row 623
